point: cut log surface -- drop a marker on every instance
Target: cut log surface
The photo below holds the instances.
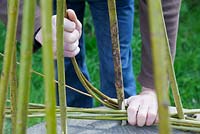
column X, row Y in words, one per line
column 76, row 126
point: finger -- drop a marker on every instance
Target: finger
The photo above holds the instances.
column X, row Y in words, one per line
column 130, row 99
column 142, row 114
column 79, row 27
column 157, row 119
column 132, row 111
column 71, row 47
column 151, row 115
column 71, row 37
column 72, row 54
column 71, row 15
column 69, row 26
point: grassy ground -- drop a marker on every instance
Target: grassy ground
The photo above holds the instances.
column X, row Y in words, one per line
column 187, row 64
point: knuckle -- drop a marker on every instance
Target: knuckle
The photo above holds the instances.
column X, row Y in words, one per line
column 71, row 38
column 131, row 109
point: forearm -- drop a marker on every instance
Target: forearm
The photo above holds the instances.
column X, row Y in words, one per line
column 171, row 17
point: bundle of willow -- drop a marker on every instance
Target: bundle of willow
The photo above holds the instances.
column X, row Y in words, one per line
column 38, row 111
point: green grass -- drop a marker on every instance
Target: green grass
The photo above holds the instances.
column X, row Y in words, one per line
column 187, row 64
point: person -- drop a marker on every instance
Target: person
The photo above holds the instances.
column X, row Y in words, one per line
column 142, row 108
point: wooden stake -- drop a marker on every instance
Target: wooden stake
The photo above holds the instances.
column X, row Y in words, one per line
column 116, row 52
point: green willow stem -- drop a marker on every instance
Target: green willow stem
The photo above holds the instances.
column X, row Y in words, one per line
column 42, row 75
column 79, row 74
column 116, row 53
column 26, row 65
column 184, row 122
column 48, row 65
column 10, row 42
column 184, row 128
column 75, row 116
column 99, row 93
column 60, row 62
column 13, row 90
column 188, row 111
column 172, row 76
column 76, row 110
column 159, row 62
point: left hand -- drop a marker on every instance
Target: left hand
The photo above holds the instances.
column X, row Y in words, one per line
column 143, row 108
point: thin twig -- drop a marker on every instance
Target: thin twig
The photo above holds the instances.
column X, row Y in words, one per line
column 42, row 75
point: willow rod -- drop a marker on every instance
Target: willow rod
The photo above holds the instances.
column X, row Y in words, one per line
column 159, row 63
column 76, row 110
column 26, row 64
column 42, row 75
column 172, row 76
column 80, row 76
column 13, row 90
column 48, row 65
column 60, row 62
column 99, row 93
column 10, row 42
column 116, row 53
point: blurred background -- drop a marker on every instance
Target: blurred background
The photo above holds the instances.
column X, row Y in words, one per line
column 187, row 65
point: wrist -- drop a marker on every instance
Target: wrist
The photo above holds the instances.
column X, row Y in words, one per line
column 146, row 90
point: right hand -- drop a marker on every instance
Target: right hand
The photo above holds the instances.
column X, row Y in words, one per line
column 143, row 108
column 72, row 34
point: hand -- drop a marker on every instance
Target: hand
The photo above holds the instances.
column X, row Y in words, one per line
column 72, row 34
column 143, row 108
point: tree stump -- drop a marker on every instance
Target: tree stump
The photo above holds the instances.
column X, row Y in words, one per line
column 76, row 126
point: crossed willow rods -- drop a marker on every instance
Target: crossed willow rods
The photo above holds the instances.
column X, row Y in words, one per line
column 179, row 120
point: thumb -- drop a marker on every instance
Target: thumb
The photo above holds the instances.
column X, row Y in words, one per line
column 71, row 15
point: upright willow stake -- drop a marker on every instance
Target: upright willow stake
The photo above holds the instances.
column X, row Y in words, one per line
column 160, row 64
column 116, row 52
column 13, row 90
column 10, row 42
column 172, row 76
column 26, row 63
column 48, row 65
column 60, row 62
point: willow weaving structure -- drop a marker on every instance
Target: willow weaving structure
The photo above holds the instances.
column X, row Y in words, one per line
column 19, row 108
